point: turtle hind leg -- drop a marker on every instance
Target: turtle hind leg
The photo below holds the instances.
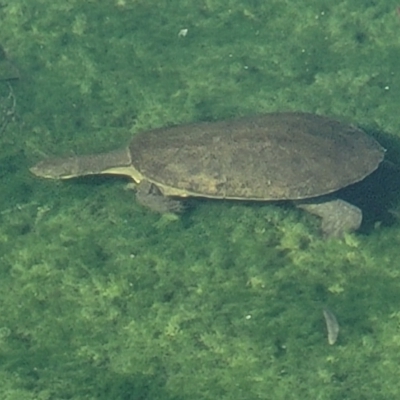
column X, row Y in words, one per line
column 338, row 216
column 149, row 196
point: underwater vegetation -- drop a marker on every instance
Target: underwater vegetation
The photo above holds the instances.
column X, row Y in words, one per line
column 102, row 299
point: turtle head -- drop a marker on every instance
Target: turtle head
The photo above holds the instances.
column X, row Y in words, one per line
column 57, row 168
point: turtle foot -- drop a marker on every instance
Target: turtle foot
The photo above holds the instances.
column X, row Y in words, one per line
column 149, row 196
column 338, row 216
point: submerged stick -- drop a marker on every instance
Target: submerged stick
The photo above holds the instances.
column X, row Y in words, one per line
column 332, row 326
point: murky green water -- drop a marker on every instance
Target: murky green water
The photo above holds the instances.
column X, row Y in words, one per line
column 101, row 299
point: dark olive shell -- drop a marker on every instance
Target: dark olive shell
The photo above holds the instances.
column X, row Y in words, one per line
column 277, row 156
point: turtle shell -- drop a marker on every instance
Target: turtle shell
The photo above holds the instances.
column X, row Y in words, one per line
column 277, row 156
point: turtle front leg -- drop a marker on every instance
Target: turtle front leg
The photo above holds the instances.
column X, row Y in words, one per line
column 337, row 215
column 150, row 196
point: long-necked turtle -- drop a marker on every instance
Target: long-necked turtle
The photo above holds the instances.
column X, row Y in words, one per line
column 278, row 156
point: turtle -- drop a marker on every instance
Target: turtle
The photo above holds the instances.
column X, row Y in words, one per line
column 293, row 156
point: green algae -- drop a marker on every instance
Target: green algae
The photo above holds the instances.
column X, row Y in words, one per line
column 101, row 299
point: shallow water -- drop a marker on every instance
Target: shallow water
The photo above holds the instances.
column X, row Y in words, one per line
column 101, row 298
